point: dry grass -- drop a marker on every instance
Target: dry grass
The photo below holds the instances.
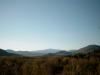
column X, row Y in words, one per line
column 50, row 65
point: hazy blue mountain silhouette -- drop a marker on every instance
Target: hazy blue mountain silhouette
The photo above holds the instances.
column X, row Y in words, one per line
column 45, row 51
column 25, row 53
column 85, row 50
column 89, row 49
column 4, row 53
column 57, row 52
column 34, row 53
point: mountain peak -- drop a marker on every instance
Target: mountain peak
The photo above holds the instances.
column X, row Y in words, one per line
column 94, row 45
column 89, row 48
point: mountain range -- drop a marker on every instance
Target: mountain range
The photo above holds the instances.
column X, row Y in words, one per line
column 51, row 52
column 34, row 53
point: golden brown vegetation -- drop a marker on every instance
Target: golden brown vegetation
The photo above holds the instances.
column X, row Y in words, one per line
column 50, row 65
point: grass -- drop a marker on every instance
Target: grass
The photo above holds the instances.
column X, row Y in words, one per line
column 56, row 65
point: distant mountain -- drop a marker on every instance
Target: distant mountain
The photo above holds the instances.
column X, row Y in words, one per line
column 4, row 53
column 34, row 53
column 89, row 49
column 59, row 53
column 45, row 51
column 25, row 53
column 10, row 51
column 63, row 53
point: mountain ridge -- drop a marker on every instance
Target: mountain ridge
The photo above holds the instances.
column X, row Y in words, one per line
column 89, row 49
column 55, row 52
column 5, row 53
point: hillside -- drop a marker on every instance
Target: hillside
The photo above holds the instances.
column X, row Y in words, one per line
column 4, row 53
column 89, row 49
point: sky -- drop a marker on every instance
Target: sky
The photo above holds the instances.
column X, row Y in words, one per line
column 43, row 24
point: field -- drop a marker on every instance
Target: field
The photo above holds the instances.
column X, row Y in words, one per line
column 53, row 65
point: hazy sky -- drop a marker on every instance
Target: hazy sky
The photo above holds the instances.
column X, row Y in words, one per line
column 42, row 24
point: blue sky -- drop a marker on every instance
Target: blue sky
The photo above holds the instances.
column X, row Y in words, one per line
column 42, row 24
